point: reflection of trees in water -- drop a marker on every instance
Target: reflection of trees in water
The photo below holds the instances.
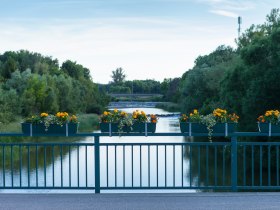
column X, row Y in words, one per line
column 211, row 165
column 32, row 155
column 257, row 165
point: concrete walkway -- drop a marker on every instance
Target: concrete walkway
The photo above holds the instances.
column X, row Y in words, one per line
column 141, row 201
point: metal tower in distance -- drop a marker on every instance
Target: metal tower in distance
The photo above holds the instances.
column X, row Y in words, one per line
column 239, row 25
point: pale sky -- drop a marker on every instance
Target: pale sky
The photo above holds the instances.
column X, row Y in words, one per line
column 149, row 39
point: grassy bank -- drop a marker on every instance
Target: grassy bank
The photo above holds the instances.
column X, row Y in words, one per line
column 169, row 106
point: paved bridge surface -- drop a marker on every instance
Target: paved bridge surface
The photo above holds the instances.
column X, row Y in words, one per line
column 143, row 201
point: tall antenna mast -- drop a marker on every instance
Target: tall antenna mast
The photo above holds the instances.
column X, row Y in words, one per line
column 239, row 25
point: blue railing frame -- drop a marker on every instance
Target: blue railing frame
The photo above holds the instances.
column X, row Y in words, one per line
column 234, row 146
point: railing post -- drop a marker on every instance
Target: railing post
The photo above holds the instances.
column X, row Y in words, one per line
column 234, row 164
column 97, row 163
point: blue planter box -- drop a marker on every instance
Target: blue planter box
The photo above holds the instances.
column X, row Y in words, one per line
column 136, row 128
column 105, row 128
column 52, row 129
column 140, row 127
column 201, row 128
column 264, row 128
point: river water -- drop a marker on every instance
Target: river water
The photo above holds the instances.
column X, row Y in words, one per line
column 64, row 163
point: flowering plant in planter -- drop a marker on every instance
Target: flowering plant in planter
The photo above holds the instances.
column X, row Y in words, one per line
column 269, row 122
column 120, row 121
column 153, row 118
column 212, row 121
column 183, row 118
column 270, row 116
column 139, row 116
column 143, row 123
column 59, row 119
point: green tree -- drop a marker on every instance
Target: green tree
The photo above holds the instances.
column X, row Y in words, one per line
column 118, row 76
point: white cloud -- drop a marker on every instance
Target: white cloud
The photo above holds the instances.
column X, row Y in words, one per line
column 224, row 13
column 230, row 5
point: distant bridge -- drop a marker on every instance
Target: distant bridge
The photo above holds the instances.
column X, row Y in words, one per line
column 134, row 95
column 132, row 104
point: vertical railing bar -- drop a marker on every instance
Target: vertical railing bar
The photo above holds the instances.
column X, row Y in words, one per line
column 107, row 164
column 149, row 165
column 69, row 151
column 140, row 165
column 36, row 150
column 190, row 165
column 165, row 166
column 12, row 167
column 28, row 165
column 182, row 164
column 174, row 166
column 157, row 165
column 4, row 173
column 97, row 163
column 269, row 177
column 45, row 166
column 234, row 160
column 260, row 165
column 244, row 165
column 199, row 160
column 277, row 165
column 78, row 165
column 132, row 165
column 123, row 165
column 116, row 166
column 86, row 166
column 224, row 165
column 53, row 165
column 20, row 165
column 61, row 167
column 216, row 166
column 207, row 165
column 252, row 165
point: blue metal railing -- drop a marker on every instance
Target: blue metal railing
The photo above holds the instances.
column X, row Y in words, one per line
column 229, row 165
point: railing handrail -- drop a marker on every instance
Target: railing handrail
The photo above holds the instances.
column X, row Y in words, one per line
column 234, row 134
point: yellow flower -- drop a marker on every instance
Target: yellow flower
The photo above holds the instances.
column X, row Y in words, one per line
column 195, row 111
column 105, row 113
column 115, row 110
column 44, row 114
